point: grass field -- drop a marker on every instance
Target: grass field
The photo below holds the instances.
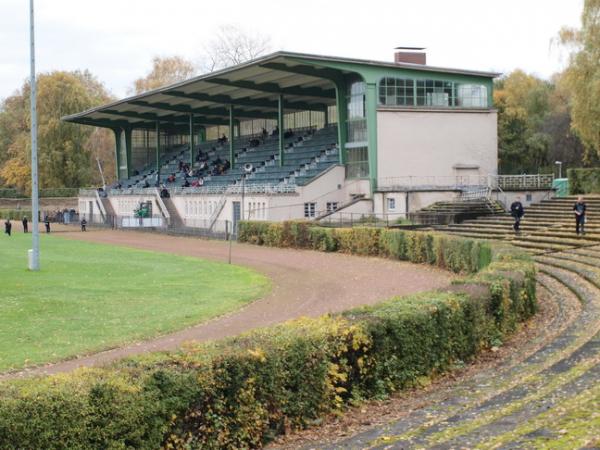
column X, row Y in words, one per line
column 90, row 297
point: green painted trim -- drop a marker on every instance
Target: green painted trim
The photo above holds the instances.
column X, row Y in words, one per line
column 371, row 105
column 117, row 132
column 128, row 151
column 231, row 137
column 280, row 125
column 342, row 112
column 191, row 140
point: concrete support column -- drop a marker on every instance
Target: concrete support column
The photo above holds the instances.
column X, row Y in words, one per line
column 231, row 137
column 117, row 132
column 280, row 125
column 157, row 155
column 371, row 104
column 191, row 140
column 128, row 151
column 342, row 111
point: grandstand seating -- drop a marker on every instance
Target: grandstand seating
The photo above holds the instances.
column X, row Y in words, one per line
column 307, row 153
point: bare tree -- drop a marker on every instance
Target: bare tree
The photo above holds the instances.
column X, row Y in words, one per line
column 233, row 45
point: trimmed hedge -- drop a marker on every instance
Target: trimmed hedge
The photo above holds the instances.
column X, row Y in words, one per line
column 241, row 392
column 456, row 254
column 584, row 181
column 15, row 214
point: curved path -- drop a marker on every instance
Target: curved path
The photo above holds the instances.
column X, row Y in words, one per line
column 546, row 396
column 305, row 283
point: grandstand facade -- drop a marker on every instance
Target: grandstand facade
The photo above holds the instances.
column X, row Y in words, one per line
column 293, row 135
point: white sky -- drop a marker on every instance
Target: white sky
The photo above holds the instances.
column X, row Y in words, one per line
column 116, row 39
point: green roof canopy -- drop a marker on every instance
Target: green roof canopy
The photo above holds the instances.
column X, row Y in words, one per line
column 307, row 82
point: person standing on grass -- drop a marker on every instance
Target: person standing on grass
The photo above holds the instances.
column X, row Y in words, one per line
column 579, row 208
column 83, row 224
column 517, row 212
column 7, row 226
column 47, row 224
column 25, row 224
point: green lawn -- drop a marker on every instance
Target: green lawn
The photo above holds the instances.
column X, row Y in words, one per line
column 89, row 297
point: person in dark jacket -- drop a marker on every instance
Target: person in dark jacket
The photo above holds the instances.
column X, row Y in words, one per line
column 83, row 224
column 7, row 226
column 517, row 212
column 47, row 224
column 579, row 208
column 25, row 224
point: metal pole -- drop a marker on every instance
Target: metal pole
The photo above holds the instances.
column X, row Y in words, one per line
column 229, row 235
column 34, row 260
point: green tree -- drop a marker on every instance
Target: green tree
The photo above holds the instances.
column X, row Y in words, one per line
column 64, row 150
column 164, row 71
column 523, row 103
column 583, row 76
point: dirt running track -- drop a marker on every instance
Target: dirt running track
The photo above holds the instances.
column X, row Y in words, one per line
column 305, row 283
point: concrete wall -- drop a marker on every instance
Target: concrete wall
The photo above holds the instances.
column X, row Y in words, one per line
column 432, row 142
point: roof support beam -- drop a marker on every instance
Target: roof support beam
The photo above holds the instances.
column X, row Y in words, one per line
column 231, row 138
column 274, row 88
column 250, row 102
column 147, row 116
column 222, row 112
column 328, row 74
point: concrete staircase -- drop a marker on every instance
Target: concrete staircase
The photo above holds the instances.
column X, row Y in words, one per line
column 442, row 213
column 548, row 226
column 176, row 220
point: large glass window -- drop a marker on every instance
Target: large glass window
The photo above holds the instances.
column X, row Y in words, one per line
column 397, row 91
column 357, row 122
column 357, row 163
column 431, row 93
column 471, row 95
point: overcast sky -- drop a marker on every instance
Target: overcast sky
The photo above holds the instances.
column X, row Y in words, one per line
column 116, row 39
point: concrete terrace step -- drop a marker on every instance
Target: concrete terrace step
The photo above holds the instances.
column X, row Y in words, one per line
column 548, row 394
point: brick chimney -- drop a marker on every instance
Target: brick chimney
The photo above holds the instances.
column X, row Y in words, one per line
column 410, row 55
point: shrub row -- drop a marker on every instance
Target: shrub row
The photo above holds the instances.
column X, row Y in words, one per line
column 241, row 392
column 584, row 181
column 453, row 253
column 43, row 193
column 15, row 214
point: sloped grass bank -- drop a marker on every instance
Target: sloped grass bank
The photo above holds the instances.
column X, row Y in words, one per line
column 240, row 392
column 89, row 297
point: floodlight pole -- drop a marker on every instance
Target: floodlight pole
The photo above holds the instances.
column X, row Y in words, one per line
column 34, row 258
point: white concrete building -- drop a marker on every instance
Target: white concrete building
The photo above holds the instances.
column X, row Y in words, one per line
column 299, row 136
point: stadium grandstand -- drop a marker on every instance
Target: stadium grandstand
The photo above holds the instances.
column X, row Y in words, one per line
column 293, row 135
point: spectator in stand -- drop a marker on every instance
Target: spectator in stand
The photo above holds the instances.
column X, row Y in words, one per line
column 47, row 224
column 227, row 165
column 200, row 181
column 288, row 134
column 580, row 208
column 517, row 212
column 275, row 131
column 186, row 183
column 7, row 226
column 146, row 184
column 83, row 224
column 25, row 224
column 171, row 178
column 180, row 166
column 264, row 134
column 164, row 192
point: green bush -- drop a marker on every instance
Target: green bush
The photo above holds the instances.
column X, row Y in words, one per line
column 460, row 255
column 584, row 181
column 243, row 391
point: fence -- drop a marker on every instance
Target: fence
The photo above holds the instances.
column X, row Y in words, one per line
column 462, row 182
column 347, row 219
column 522, row 182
